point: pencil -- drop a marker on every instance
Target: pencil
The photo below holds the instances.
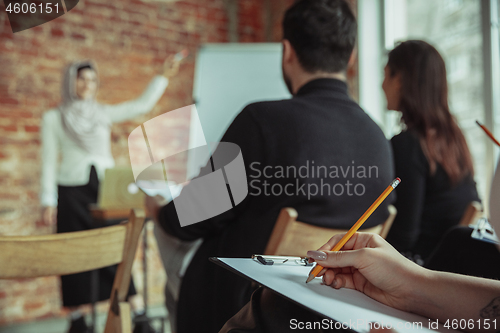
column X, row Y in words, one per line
column 488, row 133
column 357, row 225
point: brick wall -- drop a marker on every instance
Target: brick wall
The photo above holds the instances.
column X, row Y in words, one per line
column 129, row 39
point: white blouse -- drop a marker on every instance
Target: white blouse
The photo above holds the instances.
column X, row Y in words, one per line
column 75, row 162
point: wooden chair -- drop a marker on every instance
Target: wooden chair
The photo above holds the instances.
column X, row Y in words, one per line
column 472, row 214
column 73, row 252
column 294, row 238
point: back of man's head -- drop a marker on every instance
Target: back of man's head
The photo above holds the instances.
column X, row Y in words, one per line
column 322, row 33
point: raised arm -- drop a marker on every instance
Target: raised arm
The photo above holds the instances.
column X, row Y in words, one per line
column 148, row 99
column 370, row 265
column 141, row 105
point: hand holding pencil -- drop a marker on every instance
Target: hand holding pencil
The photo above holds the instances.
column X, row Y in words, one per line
column 338, row 246
column 369, row 264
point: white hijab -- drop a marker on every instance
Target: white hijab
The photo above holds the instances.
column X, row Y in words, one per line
column 83, row 120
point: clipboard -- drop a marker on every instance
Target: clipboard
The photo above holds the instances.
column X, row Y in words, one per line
column 349, row 307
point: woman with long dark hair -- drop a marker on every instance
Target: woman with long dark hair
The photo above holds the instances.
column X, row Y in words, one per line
column 431, row 154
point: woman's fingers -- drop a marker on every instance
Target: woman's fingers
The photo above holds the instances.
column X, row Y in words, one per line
column 337, row 262
column 317, row 255
column 323, row 271
column 331, row 242
column 339, row 280
column 341, row 266
column 357, row 241
column 340, row 259
column 327, row 246
column 168, row 61
column 171, row 66
column 328, row 277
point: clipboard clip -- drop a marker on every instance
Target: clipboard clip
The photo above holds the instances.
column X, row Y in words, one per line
column 272, row 260
column 484, row 231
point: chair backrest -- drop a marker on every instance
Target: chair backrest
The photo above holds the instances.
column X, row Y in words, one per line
column 73, row 252
column 291, row 237
column 472, row 214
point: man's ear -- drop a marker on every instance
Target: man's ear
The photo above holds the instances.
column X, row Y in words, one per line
column 288, row 51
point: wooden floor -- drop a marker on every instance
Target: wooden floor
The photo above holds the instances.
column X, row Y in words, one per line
column 61, row 325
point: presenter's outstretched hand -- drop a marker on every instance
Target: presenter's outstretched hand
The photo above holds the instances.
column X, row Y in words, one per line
column 369, row 264
column 171, row 66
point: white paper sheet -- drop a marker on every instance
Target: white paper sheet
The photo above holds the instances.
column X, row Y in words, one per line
column 350, row 307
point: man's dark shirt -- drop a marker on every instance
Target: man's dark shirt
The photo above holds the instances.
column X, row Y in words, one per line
column 320, row 128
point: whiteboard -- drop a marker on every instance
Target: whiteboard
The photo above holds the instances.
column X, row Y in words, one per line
column 228, row 77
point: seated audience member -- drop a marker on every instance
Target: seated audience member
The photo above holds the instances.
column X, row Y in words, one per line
column 320, row 128
column 431, row 155
column 369, row 264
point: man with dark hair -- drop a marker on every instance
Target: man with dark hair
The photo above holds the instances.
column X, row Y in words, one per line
column 322, row 33
column 317, row 152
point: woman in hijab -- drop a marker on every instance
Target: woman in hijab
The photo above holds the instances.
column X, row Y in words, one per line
column 76, row 150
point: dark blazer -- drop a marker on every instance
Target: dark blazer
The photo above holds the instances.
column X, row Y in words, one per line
column 320, row 129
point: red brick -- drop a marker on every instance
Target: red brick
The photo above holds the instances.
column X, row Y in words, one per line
column 29, row 52
column 38, row 29
column 57, row 32
column 6, row 35
column 32, row 129
column 9, row 196
column 77, row 36
column 8, row 100
column 104, row 5
column 30, row 306
column 30, row 101
column 9, row 139
column 88, row 25
column 14, row 113
column 8, row 128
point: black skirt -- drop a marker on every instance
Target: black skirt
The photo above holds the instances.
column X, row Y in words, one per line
column 73, row 214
